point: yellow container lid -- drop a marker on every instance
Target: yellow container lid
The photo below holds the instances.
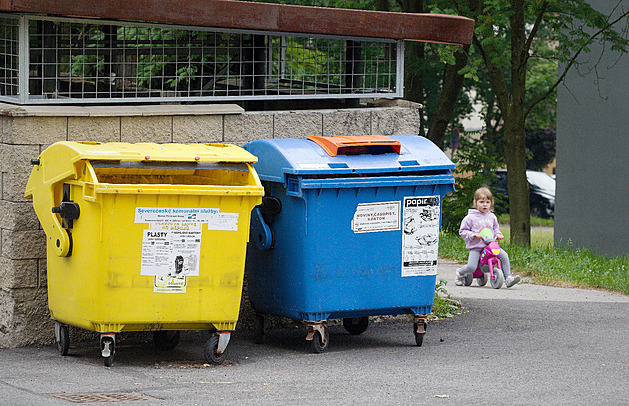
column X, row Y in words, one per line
column 121, row 151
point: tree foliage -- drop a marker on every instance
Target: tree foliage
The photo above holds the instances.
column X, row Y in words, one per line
column 510, row 35
column 517, row 45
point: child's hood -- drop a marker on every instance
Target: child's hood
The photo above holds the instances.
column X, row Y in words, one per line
column 478, row 214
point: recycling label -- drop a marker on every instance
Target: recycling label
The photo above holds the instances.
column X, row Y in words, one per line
column 420, row 238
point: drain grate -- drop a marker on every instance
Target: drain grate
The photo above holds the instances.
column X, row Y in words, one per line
column 100, row 397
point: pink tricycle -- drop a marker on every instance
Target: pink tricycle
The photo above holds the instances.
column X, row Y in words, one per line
column 489, row 267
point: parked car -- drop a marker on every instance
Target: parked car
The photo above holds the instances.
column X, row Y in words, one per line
column 541, row 195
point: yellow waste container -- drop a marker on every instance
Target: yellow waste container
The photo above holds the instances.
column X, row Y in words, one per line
column 145, row 237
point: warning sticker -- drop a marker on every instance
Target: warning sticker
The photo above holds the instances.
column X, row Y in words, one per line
column 171, row 250
column 420, row 239
column 374, row 217
column 170, row 284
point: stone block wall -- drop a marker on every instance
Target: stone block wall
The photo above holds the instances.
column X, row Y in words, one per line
column 25, row 131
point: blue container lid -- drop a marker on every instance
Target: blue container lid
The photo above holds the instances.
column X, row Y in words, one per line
column 279, row 157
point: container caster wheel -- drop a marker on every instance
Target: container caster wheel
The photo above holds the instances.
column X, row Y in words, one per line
column 62, row 336
column 215, row 351
column 356, row 325
column 320, row 344
column 419, row 339
column 108, row 348
column 258, row 329
column 419, row 329
column 166, row 340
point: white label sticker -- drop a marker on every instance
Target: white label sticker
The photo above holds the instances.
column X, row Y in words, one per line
column 156, row 252
column 170, row 284
column 173, row 214
column 171, row 250
column 165, row 225
column 223, row 221
column 374, row 217
column 214, row 218
column 420, row 239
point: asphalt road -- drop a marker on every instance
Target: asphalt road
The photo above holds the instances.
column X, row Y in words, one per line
column 528, row 345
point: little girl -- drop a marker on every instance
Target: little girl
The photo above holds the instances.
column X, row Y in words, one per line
column 478, row 218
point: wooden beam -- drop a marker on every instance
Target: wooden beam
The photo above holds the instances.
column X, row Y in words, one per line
column 261, row 16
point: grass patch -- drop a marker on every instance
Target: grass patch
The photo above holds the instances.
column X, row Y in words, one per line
column 540, row 236
column 444, row 306
column 548, row 265
column 504, row 219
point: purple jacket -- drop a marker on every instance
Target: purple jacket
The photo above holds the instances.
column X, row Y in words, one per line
column 473, row 223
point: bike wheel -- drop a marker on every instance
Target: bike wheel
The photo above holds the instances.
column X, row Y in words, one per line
column 468, row 279
column 498, row 279
column 482, row 281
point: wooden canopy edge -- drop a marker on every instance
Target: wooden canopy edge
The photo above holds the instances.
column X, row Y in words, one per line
column 245, row 15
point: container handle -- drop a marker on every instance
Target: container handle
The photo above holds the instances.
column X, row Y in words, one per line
column 357, row 145
column 44, row 194
column 261, row 232
column 41, row 188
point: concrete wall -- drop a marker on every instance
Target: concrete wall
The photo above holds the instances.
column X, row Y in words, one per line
column 592, row 203
column 25, row 131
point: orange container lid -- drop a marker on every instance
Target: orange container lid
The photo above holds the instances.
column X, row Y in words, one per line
column 340, row 144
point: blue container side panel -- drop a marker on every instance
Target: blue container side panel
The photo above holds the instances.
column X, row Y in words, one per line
column 275, row 278
column 320, row 268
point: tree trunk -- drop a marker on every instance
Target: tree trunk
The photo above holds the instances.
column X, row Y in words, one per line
column 515, row 134
column 450, row 89
column 515, row 155
column 452, row 83
column 413, row 78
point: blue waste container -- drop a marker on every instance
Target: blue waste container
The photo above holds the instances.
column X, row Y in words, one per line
column 348, row 228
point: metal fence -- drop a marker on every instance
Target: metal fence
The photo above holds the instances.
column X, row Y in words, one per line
column 59, row 60
column 9, row 56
